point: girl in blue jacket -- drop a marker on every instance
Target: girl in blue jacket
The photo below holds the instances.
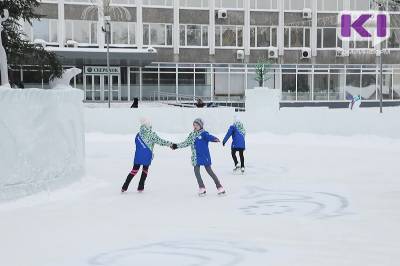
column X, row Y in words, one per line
column 238, row 134
column 145, row 141
column 198, row 141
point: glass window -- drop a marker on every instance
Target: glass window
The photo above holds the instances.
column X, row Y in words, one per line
column 229, row 3
column 231, row 36
column 262, row 36
column 394, row 39
column 296, row 37
column 158, row 3
column 193, row 35
column 81, row 31
column 326, row 38
column 194, row 3
column 122, row 33
column 43, row 29
column 157, row 34
column 264, row 4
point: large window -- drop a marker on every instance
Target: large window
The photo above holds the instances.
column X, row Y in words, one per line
column 297, row 4
column 359, row 4
column 328, row 38
column 194, row 3
column 123, row 33
column 157, row 34
column 263, row 4
column 228, row 36
column 394, row 39
column 297, row 37
column 43, row 29
column 229, row 3
column 193, row 35
column 167, row 3
column 81, row 31
column 261, row 36
column 330, row 5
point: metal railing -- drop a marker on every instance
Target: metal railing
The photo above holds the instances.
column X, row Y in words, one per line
column 190, row 100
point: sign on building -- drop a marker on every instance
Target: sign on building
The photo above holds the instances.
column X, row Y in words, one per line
column 101, row 70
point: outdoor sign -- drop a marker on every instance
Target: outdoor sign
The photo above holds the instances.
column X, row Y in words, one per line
column 371, row 26
column 101, row 70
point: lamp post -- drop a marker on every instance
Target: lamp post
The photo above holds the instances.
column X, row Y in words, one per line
column 107, row 30
column 380, row 8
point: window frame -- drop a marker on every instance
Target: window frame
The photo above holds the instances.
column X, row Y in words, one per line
column 237, row 27
column 290, row 38
column 166, row 35
column 271, row 29
column 202, row 26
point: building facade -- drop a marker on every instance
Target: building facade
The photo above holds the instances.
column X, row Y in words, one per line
column 209, row 49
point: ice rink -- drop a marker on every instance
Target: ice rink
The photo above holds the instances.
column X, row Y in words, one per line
column 305, row 200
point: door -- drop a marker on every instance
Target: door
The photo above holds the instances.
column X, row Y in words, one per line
column 96, row 87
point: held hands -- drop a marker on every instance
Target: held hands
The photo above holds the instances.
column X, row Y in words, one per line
column 174, row 146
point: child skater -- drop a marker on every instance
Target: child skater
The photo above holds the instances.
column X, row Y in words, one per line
column 198, row 141
column 145, row 140
column 238, row 134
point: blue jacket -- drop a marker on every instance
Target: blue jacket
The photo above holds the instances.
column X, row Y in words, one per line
column 143, row 154
column 145, row 141
column 198, row 141
column 237, row 132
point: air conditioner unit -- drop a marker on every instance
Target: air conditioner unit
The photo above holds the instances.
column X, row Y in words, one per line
column 222, row 14
column 72, row 43
column 151, row 50
column 305, row 53
column 272, row 52
column 342, row 52
column 240, row 55
column 307, row 13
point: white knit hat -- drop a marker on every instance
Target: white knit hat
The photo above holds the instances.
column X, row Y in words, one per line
column 145, row 122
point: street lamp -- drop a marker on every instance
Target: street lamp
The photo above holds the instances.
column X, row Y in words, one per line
column 380, row 7
column 107, row 30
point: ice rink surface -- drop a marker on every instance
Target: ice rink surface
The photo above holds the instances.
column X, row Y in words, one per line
column 305, row 200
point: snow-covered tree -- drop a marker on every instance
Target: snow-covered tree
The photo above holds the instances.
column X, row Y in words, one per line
column 19, row 50
column 262, row 71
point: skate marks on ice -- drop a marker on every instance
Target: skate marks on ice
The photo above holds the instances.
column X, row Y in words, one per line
column 185, row 253
column 320, row 205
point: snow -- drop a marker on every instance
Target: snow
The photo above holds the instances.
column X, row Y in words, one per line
column 42, row 140
column 321, row 188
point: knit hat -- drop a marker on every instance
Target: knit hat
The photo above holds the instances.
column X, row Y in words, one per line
column 199, row 121
column 236, row 119
column 145, row 122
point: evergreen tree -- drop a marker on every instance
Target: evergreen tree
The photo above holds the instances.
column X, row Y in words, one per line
column 19, row 50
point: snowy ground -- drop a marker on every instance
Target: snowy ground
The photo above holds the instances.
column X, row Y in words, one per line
column 306, row 200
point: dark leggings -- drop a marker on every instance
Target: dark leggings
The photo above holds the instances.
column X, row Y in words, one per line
column 235, row 160
column 133, row 172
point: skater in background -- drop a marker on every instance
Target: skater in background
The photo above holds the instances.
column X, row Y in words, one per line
column 198, row 141
column 145, row 141
column 238, row 134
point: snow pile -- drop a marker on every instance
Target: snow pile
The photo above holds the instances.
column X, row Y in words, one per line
column 42, row 140
column 166, row 119
column 262, row 115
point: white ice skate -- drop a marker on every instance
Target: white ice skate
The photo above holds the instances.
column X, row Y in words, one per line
column 236, row 169
column 221, row 191
column 202, row 192
column 242, row 170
